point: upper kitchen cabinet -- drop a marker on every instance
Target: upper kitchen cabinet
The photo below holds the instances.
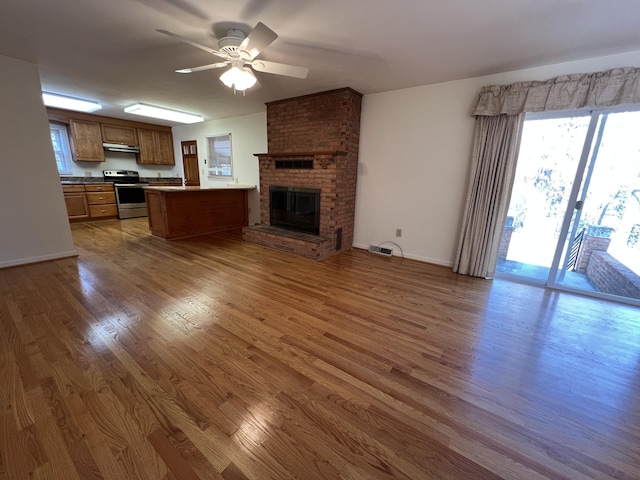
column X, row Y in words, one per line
column 156, row 147
column 119, row 134
column 89, row 133
column 86, row 141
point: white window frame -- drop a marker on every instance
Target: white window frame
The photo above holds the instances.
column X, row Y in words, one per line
column 61, row 147
column 220, row 155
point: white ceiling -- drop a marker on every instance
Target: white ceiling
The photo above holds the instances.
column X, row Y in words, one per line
column 108, row 50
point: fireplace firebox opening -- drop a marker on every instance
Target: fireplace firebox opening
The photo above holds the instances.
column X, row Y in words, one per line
column 295, row 208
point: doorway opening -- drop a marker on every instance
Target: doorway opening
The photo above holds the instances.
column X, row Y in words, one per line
column 190, row 163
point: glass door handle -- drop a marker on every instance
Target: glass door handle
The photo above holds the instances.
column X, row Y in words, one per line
column 579, row 205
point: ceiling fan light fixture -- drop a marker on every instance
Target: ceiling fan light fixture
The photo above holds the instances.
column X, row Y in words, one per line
column 163, row 113
column 238, row 78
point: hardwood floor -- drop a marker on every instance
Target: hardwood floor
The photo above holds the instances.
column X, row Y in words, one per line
column 210, row 358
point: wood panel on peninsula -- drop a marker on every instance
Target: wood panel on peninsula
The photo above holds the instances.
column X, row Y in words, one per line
column 176, row 212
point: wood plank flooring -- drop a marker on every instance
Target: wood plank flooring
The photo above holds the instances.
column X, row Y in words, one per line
column 210, row 358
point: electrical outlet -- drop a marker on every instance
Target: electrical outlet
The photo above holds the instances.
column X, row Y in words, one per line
column 398, row 232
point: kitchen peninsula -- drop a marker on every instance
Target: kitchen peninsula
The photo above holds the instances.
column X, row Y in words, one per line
column 176, row 212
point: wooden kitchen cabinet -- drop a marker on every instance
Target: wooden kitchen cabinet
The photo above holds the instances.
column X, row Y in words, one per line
column 86, row 141
column 165, row 148
column 75, row 199
column 119, row 134
column 90, row 201
column 101, row 200
column 177, row 212
column 156, row 147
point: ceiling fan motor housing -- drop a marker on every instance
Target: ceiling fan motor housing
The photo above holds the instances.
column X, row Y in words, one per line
column 231, row 41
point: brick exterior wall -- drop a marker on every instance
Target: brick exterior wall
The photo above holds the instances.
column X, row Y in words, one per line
column 505, row 239
column 589, row 245
column 323, row 128
column 608, row 275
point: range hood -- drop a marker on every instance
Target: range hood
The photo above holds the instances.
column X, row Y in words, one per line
column 116, row 147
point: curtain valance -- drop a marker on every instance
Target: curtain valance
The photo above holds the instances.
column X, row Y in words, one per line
column 619, row 86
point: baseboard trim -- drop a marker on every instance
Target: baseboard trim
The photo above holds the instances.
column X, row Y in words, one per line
column 410, row 256
column 38, row 259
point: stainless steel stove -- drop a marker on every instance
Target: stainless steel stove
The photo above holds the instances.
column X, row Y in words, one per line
column 129, row 192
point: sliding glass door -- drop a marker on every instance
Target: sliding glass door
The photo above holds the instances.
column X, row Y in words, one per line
column 574, row 216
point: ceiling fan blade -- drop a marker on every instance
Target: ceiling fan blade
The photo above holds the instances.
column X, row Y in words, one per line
column 280, row 69
column 203, row 67
column 259, row 38
column 192, row 43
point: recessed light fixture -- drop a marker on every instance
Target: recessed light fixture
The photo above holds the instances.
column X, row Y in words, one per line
column 163, row 113
column 69, row 103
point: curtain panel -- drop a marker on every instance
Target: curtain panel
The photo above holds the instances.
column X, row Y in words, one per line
column 619, row 86
column 499, row 112
column 493, row 161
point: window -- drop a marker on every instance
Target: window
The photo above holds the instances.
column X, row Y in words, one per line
column 60, row 142
column 220, row 158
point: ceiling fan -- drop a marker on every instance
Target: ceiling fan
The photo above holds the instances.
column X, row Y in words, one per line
column 239, row 52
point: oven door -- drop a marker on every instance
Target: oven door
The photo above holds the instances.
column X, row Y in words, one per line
column 130, row 200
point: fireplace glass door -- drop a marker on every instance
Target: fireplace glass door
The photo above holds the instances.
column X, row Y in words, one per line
column 295, row 208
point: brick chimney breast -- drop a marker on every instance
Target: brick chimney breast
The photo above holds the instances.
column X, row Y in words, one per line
column 322, row 129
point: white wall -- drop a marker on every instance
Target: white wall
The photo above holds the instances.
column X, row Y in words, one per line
column 415, row 147
column 248, row 136
column 33, row 217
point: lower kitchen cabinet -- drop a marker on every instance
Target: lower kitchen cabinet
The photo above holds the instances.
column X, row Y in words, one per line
column 102, row 200
column 90, row 202
column 98, row 211
column 75, row 199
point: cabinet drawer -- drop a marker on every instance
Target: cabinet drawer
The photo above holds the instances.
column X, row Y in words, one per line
column 107, row 187
column 73, row 188
column 99, row 198
column 103, row 211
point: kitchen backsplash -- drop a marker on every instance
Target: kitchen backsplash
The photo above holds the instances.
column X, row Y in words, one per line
column 96, row 179
column 122, row 161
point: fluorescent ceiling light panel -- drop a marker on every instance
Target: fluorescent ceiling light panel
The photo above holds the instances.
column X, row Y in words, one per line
column 163, row 113
column 69, row 103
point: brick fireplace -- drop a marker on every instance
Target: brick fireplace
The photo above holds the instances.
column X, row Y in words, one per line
column 312, row 145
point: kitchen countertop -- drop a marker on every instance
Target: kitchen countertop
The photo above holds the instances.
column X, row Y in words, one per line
column 76, row 182
column 233, row 186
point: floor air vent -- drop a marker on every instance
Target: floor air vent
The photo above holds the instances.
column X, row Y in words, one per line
column 381, row 250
